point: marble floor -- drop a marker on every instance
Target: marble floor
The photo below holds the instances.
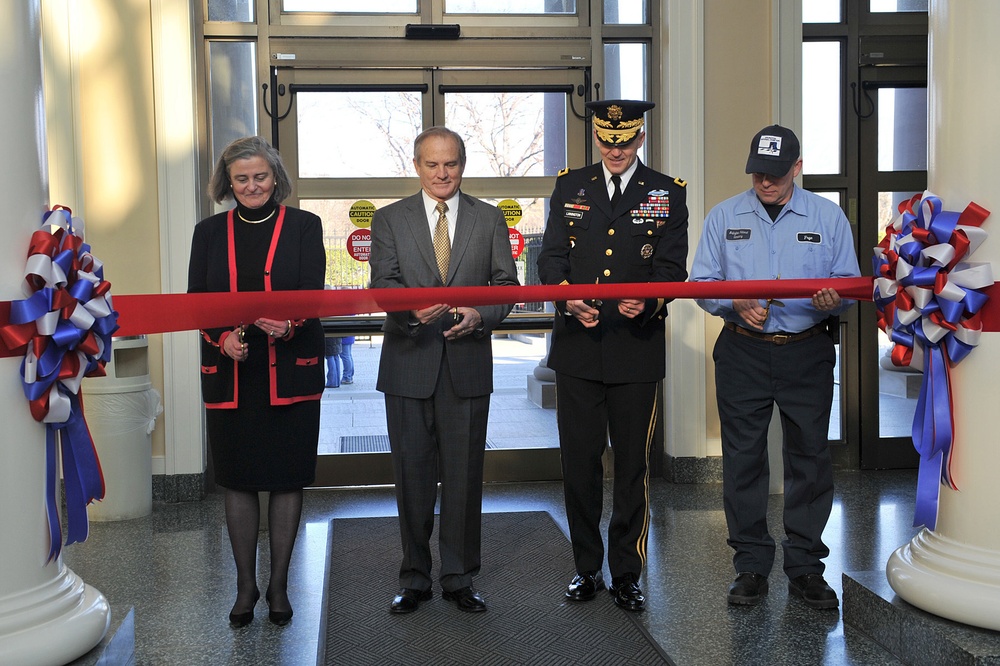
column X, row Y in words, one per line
column 175, row 569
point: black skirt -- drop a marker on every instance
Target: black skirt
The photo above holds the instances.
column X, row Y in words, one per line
column 258, row 446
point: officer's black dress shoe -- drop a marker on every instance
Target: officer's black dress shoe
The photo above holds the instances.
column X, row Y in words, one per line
column 625, row 589
column 466, row 599
column 748, row 589
column 584, row 587
column 408, row 600
column 813, row 590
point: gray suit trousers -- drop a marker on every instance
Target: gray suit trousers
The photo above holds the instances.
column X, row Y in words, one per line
column 440, row 438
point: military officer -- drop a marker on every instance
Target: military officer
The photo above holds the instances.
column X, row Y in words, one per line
column 615, row 221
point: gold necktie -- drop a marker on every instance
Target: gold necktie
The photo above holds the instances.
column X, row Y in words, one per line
column 442, row 244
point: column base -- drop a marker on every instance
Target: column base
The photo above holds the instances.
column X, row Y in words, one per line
column 53, row 623
column 541, row 392
column 913, row 636
column 955, row 580
column 118, row 645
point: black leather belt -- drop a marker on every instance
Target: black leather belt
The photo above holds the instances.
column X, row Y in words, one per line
column 779, row 338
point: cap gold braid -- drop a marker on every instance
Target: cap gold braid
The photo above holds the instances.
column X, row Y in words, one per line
column 623, row 133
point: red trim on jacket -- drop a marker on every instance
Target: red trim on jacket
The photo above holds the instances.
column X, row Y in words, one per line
column 231, row 243
column 272, row 356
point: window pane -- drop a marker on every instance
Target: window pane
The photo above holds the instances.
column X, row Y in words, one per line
column 821, row 107
column 625, row 12
column 351, row 6
column 230, row 10
column 832, row 196
column 344, row 270
column 893, row 6
column 233, row 91
column 625, row 74
column 888, row 210
column 526, row 219
column 624, row 71
column 821, row 11
column 510, row 134
column 552, row 7
column 902, row 129
column 357, row 134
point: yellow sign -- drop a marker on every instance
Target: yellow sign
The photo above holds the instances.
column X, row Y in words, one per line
column 511, row 211
column 361, row 213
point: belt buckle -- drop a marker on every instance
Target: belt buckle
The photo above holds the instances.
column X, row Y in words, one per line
column 780, row 338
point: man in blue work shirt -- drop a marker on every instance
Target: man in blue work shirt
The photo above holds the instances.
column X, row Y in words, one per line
column 776, row 352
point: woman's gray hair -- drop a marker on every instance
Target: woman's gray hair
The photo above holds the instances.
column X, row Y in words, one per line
column 219, row 186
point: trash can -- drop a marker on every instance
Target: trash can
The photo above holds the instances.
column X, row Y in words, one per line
column 121, row 410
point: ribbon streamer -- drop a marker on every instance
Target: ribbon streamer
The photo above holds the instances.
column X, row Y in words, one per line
column 63, row 329
column 930, row 304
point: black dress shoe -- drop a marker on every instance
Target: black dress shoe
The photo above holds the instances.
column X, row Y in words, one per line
column 237, row 620
column 584, row 587
column 278, row 617
column 748, row 589
column 466, row 599
column 813, row 590
column 409, row 599
column 625, row 589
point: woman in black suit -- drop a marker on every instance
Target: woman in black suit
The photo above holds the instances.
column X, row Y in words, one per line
column 261, row 380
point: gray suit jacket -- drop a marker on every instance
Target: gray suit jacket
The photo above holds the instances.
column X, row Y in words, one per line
column 402, row 255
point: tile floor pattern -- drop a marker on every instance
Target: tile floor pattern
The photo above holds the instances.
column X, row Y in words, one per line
column 175, row 568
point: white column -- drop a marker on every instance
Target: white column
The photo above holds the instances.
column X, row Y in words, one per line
column 954, row 570
column 48, row 615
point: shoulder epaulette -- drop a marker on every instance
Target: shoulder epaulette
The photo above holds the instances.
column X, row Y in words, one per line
column 563, row 172
column 680, row 183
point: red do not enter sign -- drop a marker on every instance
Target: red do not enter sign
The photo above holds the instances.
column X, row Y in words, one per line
column 359, row 244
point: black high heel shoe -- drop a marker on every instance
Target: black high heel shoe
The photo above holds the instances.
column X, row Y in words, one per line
column 237, row 620
column 280, row 618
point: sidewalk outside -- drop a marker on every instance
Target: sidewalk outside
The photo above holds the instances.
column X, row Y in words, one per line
column 515, row 422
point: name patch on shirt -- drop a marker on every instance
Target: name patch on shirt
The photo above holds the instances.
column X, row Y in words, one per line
column 737, row 234
column 809, row 237
column 573, row 214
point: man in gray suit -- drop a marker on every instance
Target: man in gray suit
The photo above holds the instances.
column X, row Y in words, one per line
column 436, row 369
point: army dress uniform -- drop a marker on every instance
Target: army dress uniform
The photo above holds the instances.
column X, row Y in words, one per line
column 607, row 375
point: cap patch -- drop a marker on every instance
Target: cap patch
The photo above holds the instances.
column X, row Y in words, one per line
column 769, row 145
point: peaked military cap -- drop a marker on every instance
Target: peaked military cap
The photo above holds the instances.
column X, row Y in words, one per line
column 618, row 121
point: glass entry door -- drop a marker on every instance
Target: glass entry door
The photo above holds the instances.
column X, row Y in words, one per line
column 347, row 137
column 894, row 168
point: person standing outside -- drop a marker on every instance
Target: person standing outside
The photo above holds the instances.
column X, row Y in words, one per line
column 347, row 358
column 332, row 349
column 261, row 380
column 776, row 352
column 614, row 221
column 436, row 367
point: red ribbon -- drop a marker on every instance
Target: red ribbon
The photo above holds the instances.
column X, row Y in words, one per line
column 163, row 313
column 145, row 314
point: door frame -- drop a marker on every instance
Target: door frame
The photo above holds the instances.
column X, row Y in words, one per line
column 433, row 83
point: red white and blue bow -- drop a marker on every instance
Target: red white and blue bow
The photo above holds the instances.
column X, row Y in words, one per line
column 64, row 330
column 929, row 302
